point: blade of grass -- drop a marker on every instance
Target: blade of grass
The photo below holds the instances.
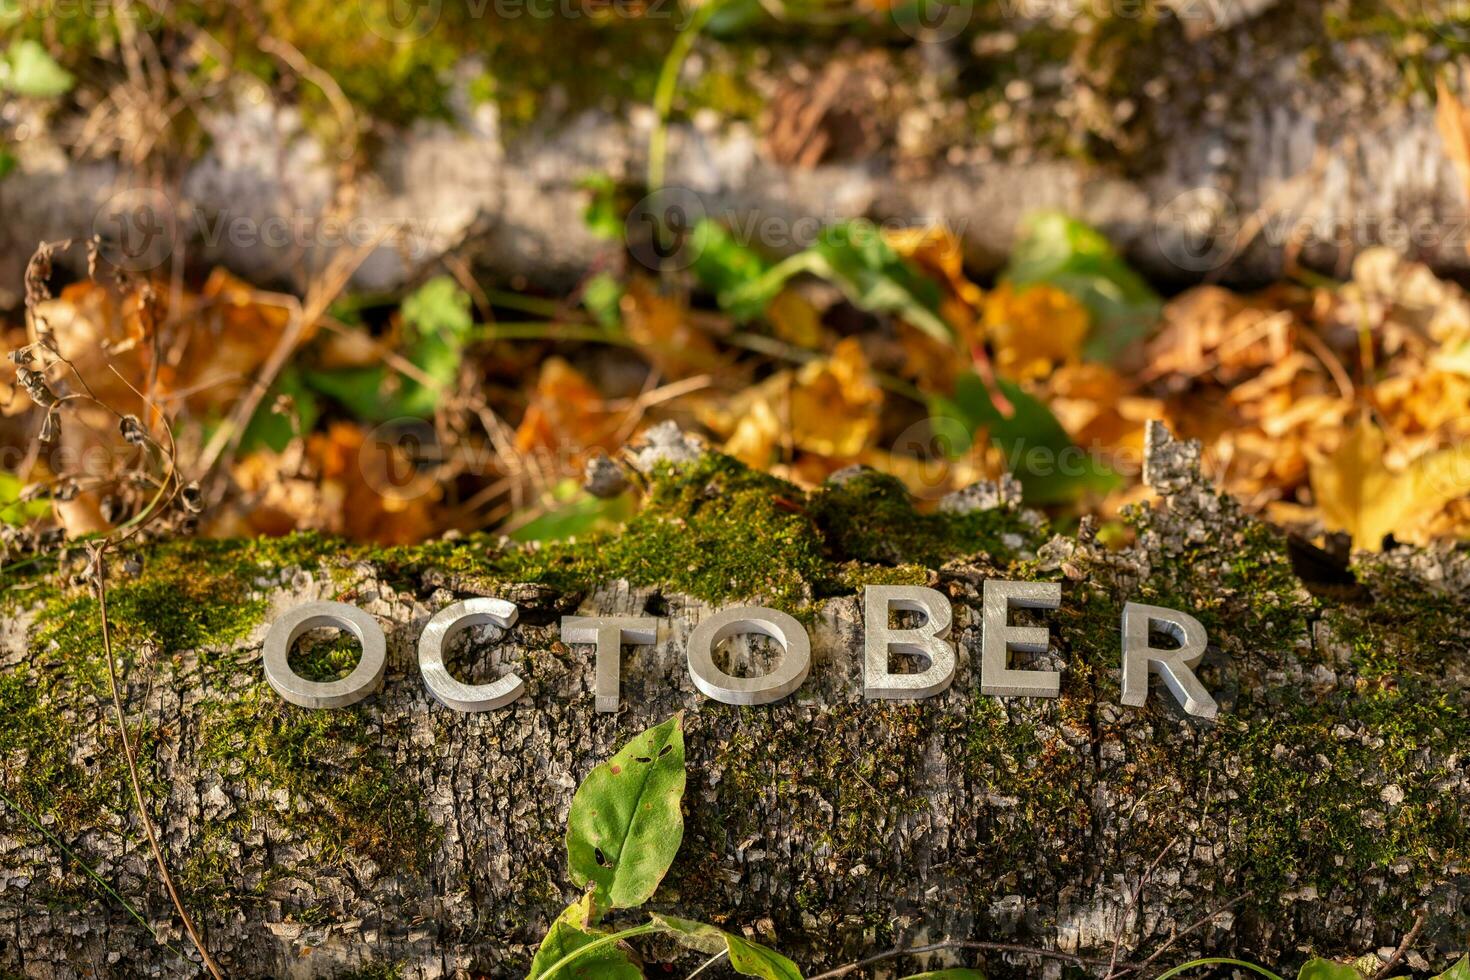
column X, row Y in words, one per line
column 668, row 83
column 89, row 871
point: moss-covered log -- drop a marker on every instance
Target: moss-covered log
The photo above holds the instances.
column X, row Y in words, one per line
column 1323, row 810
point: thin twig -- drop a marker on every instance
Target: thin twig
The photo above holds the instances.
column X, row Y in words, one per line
column 1134, row 900
column 99, row 558
column 708, row 963
column 1197, row 924
column 1403, row 949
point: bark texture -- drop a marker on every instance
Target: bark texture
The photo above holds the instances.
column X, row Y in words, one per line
column 1325, row 807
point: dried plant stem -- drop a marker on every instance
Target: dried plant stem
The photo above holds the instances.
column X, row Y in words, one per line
column 1404, row 946
column 99, row 559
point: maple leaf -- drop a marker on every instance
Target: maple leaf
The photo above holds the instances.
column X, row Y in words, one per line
column 1357, row 492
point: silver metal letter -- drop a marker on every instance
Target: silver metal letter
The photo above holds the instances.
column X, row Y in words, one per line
column 449, row 623
column 925, row 641
column 609, row 633
column 365, row 678
column 1000, row 638
column 1174, row 666
column 788, row 675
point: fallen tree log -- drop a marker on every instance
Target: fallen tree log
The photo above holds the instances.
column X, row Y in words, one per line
column 1232, row 149
column 1323, row 809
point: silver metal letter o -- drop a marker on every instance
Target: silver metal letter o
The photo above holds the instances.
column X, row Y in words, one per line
column 446, row 625
column 788, row 675
column 365, row 678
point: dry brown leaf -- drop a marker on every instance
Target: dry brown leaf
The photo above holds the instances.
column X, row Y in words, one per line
column 566, row 413
column 1452, row 119
column 659, row 324
column 365, row 491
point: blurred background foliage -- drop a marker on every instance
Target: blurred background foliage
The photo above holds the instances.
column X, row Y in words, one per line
column 471, row 403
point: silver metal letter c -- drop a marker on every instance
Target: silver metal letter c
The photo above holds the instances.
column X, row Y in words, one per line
column 445, row 626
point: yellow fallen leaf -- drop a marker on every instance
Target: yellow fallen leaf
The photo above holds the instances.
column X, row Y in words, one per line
column 1356, row 492
column 828, row 407
column 938, row 252
column 795, row 320
column 1033, row 329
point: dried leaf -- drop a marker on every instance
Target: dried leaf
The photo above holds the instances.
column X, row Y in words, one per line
column 1357, row 492
column 1033, row 329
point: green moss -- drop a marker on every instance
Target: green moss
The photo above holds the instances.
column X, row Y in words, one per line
column 39, row 775
column 719, row 531
column 871, row 518
column 346, row 794
column 1404, row 625
column 713, row 529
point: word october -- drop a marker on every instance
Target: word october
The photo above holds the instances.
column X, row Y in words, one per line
column 608, row 634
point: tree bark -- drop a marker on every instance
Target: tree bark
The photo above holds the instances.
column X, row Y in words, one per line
column 1322, row 810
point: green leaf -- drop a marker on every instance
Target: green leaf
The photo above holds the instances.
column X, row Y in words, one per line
column 13, row 510
column 746, row 958
column 1074, row 257
column 437, row 327
column 602, row 296
column 1051, row 467
column 27, row 69
column 1460, row 971
column 576, row 512
column 572, row 930
column 876, row 278
column 1320, row 969
column 755, row 960
column 954, row 973
column 728, row 269
column 603, row 217
column 274, row 430
column 7, row 163
column 625, row 824
column 365, row 392
column 439, row 307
